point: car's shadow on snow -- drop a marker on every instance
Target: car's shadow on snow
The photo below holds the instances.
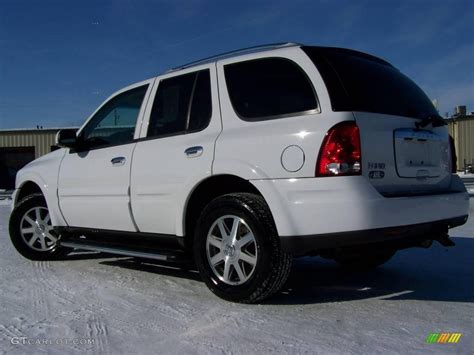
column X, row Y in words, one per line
column 182, row 270
column 435, row 274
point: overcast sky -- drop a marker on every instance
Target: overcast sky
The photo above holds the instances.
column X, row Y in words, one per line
column 60, row 59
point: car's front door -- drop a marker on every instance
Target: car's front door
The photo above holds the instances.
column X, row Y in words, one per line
column 94, row 179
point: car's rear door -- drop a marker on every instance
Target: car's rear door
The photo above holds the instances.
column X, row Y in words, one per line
column 176, row 148
column 94, row 179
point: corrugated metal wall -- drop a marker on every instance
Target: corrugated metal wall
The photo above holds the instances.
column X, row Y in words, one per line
column 42, row 140
column 462, row 130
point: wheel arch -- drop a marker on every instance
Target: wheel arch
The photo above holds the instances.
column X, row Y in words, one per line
column 207, row 190
column 28, row 184
column 27, row 188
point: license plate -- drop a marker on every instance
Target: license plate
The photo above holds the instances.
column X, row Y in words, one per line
column 418, row 153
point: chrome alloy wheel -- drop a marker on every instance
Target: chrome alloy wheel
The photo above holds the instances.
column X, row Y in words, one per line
column 36, row 229
column 231, row 250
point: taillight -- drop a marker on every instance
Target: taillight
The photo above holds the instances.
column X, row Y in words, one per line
column 340, row 151
column 454, row 159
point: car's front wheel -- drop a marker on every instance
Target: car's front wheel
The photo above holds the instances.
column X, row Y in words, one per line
column 31, row 231
column 237, row 249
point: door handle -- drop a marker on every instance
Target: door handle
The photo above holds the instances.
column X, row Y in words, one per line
column 118, row 161
column 193, row 152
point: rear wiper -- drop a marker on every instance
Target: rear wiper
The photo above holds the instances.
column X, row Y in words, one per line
column 435, row 120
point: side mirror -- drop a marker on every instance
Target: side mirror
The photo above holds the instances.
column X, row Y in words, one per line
column 66, row 138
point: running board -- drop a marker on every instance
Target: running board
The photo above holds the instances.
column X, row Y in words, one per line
column 134, row 244
column 164, row 255
column 114, row 251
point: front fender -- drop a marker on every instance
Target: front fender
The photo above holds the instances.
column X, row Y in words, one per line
column 44, row 173
column 22, row 178
column 48, row 192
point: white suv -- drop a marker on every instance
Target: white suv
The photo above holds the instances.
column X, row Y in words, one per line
column 244, row 160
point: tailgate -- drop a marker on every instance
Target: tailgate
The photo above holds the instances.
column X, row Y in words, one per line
column 399, row 159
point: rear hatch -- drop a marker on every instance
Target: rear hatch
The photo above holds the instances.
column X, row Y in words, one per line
column 404, row 142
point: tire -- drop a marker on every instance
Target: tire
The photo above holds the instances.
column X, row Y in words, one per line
column 254, row 248
column 27, row 226
column 364, row 262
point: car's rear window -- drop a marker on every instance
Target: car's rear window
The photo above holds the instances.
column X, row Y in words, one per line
column 360, row 82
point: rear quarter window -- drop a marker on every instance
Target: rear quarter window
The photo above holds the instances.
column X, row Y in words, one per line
column 269, row 88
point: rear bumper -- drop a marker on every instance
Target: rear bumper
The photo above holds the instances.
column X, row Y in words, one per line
column 334, row 210
column 399, row 237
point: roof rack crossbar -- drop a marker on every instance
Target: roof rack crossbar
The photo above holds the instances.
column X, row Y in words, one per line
column 247, row 50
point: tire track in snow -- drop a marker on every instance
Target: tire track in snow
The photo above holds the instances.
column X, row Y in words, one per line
column 89, row 309
column 42, row 292
column 49, row 281
column 10, row 331
column 38, row 291
column 97, row 329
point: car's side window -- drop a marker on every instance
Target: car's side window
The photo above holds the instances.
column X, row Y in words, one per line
column 269, row 88
column 182, row 104
column 115, row 122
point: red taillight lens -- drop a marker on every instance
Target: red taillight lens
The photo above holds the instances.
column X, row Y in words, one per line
column 454, row 159
column 340, row 151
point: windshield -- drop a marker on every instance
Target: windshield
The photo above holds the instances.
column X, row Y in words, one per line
column 360, row 82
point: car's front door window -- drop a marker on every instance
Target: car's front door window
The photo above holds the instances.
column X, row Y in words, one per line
column 115, row 122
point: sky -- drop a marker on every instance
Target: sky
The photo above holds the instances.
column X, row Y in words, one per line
column 59, row 60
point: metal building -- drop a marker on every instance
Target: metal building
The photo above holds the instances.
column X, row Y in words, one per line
column 462, row 130
column 20, row 146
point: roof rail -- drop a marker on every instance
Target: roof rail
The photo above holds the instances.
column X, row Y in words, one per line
column 248, row 50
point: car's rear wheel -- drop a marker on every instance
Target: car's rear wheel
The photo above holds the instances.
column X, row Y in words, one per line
column 31, row 231
column 237, row 249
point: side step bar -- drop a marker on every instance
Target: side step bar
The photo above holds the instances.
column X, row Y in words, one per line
column 118, row 251
column 137, row 245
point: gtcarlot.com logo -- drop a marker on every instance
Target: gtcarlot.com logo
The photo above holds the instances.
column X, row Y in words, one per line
column 443, row 338
column 51, row 341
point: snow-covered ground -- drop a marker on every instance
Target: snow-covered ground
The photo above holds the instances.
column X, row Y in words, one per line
column 468, row 180
column 127, row 307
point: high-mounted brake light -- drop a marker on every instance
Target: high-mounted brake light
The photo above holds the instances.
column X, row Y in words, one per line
column 340, row 152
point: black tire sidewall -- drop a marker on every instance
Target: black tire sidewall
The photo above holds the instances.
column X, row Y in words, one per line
column 15, row 235
column 227, row 205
